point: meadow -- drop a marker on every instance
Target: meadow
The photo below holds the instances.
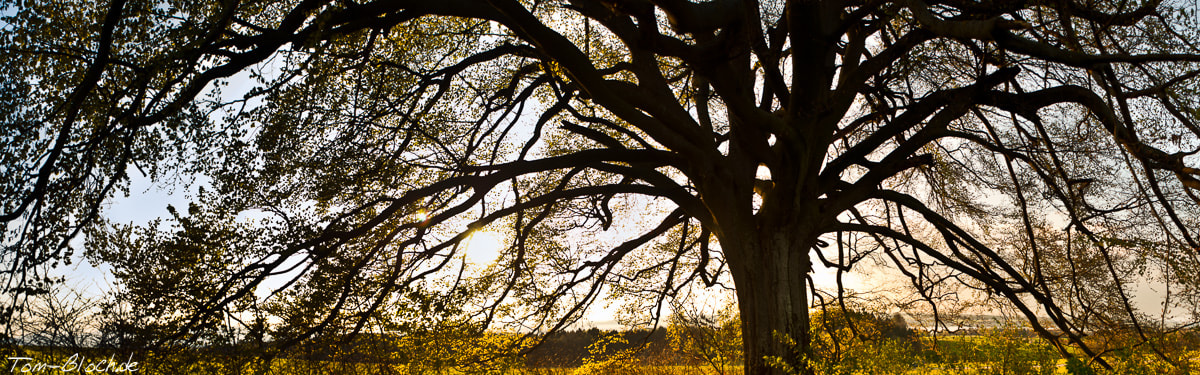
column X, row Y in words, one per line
column 870, row 344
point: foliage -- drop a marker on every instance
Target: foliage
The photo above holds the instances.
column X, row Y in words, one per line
column 1170, row 352
column 860, row 341
column 337, row 156
column 568, row 348
column 716, row 340
column 1003, row 350
column 447, row 350
column 604, row 361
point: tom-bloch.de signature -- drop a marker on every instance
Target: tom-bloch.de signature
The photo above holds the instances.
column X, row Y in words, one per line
column 74, row 364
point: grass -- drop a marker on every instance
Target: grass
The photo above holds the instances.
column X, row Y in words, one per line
column 991, row 353
column 962, row 347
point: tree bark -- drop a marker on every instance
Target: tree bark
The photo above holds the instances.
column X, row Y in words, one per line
column 771, row 279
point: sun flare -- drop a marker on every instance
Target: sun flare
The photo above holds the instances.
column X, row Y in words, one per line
column 484, row 246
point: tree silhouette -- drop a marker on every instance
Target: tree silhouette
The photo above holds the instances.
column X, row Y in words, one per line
column 1042, row 153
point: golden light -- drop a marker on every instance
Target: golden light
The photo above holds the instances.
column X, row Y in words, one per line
column 484, row 246
column 419, row 217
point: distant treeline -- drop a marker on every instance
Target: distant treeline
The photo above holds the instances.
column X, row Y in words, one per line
column 569, row 348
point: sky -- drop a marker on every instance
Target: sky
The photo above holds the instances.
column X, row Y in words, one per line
column 148, row 201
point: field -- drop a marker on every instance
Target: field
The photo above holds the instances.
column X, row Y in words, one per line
column 877, row 349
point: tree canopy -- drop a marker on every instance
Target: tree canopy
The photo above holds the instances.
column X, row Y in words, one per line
column 1039, row 156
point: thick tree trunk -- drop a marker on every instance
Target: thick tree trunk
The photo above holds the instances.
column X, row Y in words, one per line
column 772, row 291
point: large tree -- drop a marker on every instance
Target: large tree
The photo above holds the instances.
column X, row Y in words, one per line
column 1042, row 153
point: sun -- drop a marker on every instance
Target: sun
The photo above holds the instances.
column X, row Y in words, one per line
column 484, row 247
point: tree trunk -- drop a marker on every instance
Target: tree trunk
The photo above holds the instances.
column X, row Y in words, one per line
column 770, row 273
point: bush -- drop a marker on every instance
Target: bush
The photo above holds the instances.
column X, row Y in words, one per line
column 849, row 341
